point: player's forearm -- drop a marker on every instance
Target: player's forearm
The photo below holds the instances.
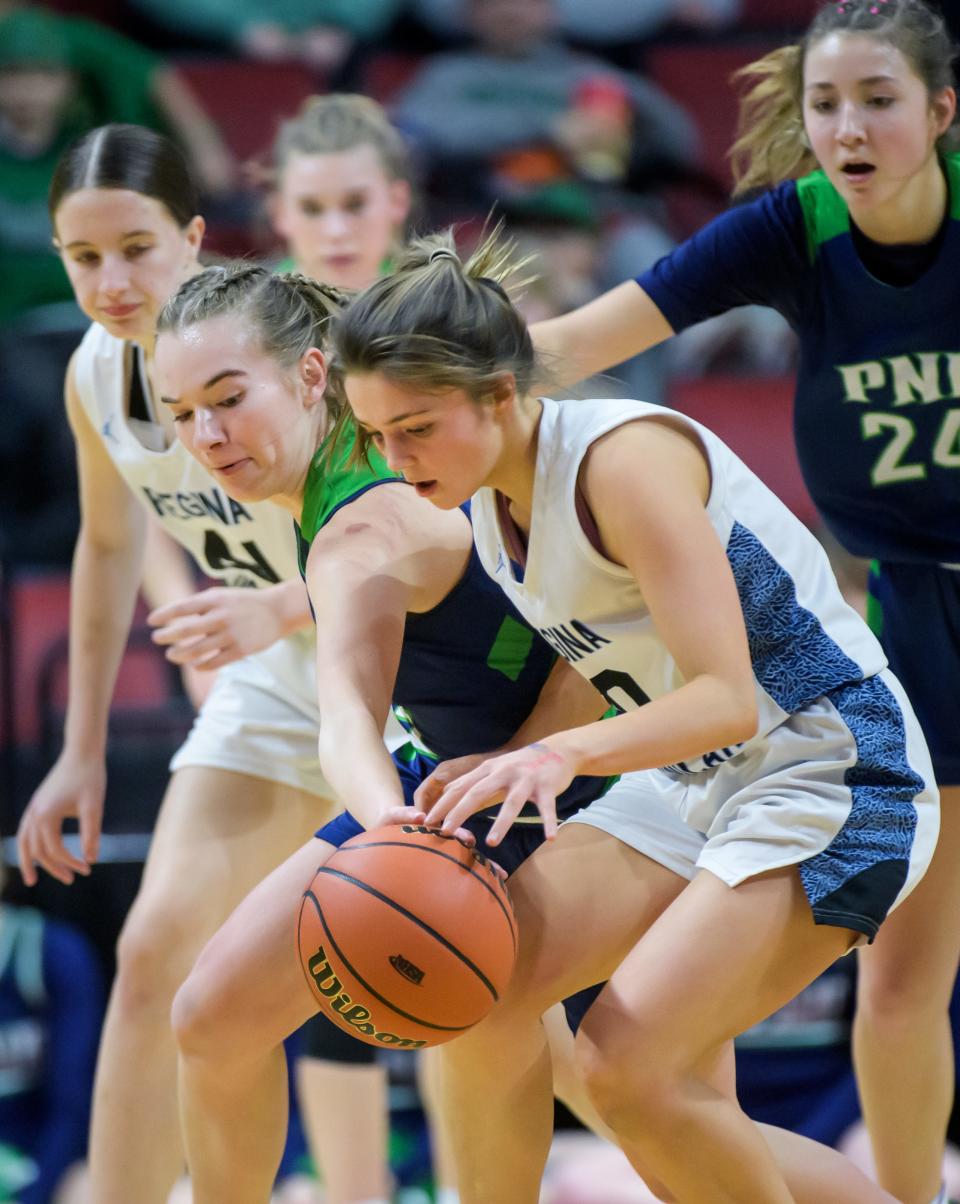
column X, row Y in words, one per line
column 103, row 592
column 357, row 765
column 167, row 568
column 705, row 715
column 291, row 603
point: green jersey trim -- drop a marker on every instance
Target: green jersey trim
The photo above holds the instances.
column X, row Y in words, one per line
column 336, row 477
column 825, row 213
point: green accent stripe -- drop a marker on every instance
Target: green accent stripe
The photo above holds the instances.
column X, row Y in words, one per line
column 511, row 648
column 825, row 213
column 874, row 609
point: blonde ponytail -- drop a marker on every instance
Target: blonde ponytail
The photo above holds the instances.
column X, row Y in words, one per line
column 771, row 144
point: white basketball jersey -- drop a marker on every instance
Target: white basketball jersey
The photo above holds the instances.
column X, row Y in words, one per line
column 804, row 639
column 238, row 544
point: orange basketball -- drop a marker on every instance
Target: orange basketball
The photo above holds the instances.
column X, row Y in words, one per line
column 406, row 937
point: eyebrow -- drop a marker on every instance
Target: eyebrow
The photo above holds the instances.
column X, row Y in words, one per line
column 394, row 421
column 82, row 242
column 871, row 79
column 174, row 401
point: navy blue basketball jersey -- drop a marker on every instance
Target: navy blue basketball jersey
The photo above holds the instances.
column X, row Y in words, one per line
column 877, row 416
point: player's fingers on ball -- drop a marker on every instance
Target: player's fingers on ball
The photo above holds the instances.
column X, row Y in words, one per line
column 454, row 814
column 472, row 801
column 437, row 810
column 449, row 798
column 426, row 793
column 510, row 808
column 402, row 815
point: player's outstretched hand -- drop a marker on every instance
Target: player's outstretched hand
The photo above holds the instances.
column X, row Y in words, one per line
column 534, row 774
column 432, row 787
column 216, row 626
column 74, row 788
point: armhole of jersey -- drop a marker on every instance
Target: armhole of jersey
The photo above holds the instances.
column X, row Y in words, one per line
column 138, row 398
column 824, row 213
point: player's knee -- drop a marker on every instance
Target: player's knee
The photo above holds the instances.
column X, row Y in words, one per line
column 628, row 1084
column 904, row 984
column 150, row 958
column 892, row 1000
column 199, row 1018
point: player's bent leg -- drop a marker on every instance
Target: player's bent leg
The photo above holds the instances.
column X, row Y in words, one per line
column 245, row 994
column 497, row 1078
column 717, row 961
column 217, row 835
column 901, row 1032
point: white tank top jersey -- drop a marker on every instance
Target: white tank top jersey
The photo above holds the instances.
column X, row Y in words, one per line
column 237, row 544
column 804, row 639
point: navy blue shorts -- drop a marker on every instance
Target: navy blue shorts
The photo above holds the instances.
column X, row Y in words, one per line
column 414, row 768
column 914, row 610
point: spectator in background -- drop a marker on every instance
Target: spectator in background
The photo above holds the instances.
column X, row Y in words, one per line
column 51, row 1005
column 58, row 77
column 320, row 33
column 560, row 140
column 597, row 23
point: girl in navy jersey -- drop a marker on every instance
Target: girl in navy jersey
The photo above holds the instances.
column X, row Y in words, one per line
column 340, row 196
column 755, row 703
column 245, row 789
column 405, row 613
column 860, row 254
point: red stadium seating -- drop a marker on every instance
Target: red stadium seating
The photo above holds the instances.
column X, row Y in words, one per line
column 754, row 415
column 698, row 77
column 780, row 15
column 386, row 72
column 39, row 615
column 248, row 100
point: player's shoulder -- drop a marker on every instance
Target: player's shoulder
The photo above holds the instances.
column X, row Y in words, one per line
column 775, row 212
column 98, row 341
column 98, row 359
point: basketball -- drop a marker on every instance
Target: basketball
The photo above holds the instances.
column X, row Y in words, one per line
column 406, row 937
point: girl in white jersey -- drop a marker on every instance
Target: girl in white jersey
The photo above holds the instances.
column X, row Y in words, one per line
column 246, row 788
column 754, row 701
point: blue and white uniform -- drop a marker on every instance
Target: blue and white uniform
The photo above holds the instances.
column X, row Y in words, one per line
column 470, row 672
column 837, row 778
column 261, row 716
column 877, row 413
